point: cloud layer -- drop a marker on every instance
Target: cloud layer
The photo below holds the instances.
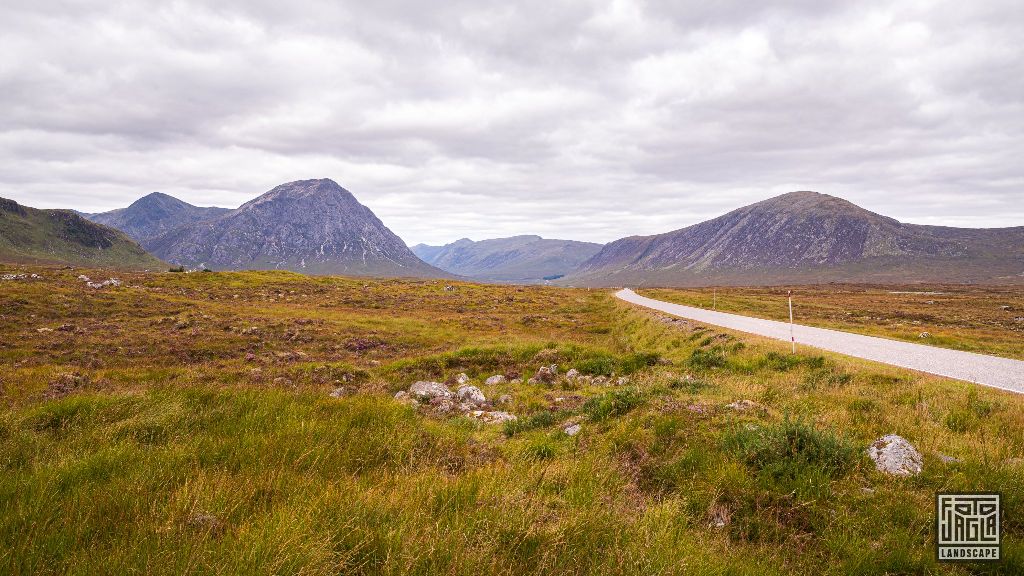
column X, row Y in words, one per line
column 588, row 120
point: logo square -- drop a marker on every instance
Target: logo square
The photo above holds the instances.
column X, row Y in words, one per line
column 967, row 527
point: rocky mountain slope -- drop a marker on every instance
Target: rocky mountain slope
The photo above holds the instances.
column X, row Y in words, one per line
column 29, row 235
column 153, row 215
column 807, row 237
column 309, row 226
column 517, row 259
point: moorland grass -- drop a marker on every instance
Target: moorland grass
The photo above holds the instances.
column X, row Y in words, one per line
column 183, row 424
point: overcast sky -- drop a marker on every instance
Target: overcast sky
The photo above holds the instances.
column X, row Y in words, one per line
column 589, row 120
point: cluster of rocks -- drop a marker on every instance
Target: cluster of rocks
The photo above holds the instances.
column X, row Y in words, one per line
column 549, row 375
column 97, row 285
column 20, row 277
column 468, row 400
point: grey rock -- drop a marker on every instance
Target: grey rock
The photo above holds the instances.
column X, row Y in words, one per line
column 461, row 379
column 496, row 380
column 573, row 429
column 471, row 395
column 546, row 374
column 494, row 417
column 894, row 455
column 425, row 390
column 443, row 405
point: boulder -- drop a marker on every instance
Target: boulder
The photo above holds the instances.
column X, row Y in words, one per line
column 461, row 379
column 572, row 429
column 895, row 456
column 496, row 380
column 546, row 374
column 495, row 417
column 442, row 405
column 471, row 395
column 572, row 374
column 424, row 390
column 504, row 399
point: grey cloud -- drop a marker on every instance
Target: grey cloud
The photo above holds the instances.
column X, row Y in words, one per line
column 589, row 120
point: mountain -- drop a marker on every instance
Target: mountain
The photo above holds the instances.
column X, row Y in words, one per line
column 29, row 235
column 515, row 259
column 309, row 226
column 807, row 237
column 153, row 215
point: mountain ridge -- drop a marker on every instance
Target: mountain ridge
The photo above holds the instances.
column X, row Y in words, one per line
column 154, row 214
column 310, row 226
column 32, row 235
column 806, row 237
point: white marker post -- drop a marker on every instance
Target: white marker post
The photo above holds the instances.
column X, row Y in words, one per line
column 792, row 338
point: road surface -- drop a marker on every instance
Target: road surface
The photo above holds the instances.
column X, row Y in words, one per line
column 981, row 369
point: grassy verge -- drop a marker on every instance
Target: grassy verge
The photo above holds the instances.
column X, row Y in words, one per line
column 983, row 319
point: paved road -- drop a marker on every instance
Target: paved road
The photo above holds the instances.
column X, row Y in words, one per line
column 977, row 368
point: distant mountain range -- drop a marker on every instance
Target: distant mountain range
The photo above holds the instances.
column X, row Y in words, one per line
column 318, row 227
column 310, row 226
column 153, row 215
column 806, row 237
column 520, row 259
column 32, row 236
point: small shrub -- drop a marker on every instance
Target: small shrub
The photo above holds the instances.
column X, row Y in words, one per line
column 689, row 384
column 789, row 445
column 779, row 362
column 597, row 365
column 539, row 420
column 825, row 378
column 637, row 361
column 541, row 449
column 614, row 403
column 706, row 359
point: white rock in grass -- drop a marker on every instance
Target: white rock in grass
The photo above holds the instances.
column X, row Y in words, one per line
column 461, row 379
column 472, row 395
column 496, row 380
column 572, row 374
column 573, row 429
column 495, row 417
column 424, row 390
column 896, row 456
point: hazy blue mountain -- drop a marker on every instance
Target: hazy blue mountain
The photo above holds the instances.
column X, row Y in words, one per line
column 516, row 259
